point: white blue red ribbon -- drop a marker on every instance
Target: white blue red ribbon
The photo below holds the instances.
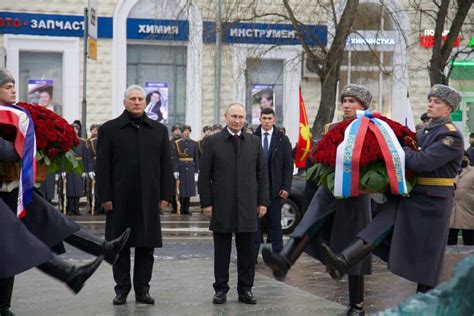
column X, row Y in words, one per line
column 347, row 170
column 25, row 146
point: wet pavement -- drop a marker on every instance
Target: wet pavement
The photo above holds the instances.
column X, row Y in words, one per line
column 182, row 281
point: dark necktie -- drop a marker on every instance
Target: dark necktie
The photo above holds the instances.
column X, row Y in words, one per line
column 235, row 142
column 265, row 145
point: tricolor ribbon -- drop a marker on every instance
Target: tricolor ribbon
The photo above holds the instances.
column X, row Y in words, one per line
column 347, row 173
column 25, row 146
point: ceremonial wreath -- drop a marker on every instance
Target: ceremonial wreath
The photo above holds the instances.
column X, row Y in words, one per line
column 364, row 155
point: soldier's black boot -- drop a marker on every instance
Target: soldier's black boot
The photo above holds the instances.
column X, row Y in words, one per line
column 6, row 289
column 73, row 276
column 96, row 246
column 281, row 262
column 421, row 288
column 187, row 201
column 339, row 264
column 76, row 206
column 356, row 295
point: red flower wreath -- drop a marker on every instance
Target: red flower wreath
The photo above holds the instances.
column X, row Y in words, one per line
column 373, row 173
column 55, row 138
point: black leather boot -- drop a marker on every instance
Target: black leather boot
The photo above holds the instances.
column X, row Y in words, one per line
column 421, row 288
column 6, row 289
column 356, row 295
column 90, row 243
column 76, row 206
column 281, row 262
column 351, row 255
column 73, row 276
column 187, row 204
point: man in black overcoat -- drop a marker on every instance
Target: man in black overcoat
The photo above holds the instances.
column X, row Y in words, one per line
column 134, row 180
column 233, row 189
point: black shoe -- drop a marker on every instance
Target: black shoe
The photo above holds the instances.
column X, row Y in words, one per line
column 6, row 312
column 120, row 299
column 112, row 248
column 247, row 298
column 219, row 298
column 144, row 298
column 187, row 213
column 277, row 262
column 355, row 310
column 337, row 264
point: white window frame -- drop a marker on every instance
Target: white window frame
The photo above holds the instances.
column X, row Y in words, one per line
column 70, row 49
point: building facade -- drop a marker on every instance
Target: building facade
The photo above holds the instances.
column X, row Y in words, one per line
column 170, row 47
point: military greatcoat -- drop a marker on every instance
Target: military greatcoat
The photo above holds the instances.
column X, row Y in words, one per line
column 185, row 161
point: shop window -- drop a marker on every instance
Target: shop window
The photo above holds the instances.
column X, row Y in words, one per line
column 161, row 68
column 41, row 80
column 371, row 67
column 264, row 79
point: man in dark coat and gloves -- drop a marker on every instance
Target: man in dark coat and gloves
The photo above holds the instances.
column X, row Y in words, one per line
column 233, row 189
column 336, row 221
column 420, row 222
column 185, row 167
column 134, row 181
column 44, row 221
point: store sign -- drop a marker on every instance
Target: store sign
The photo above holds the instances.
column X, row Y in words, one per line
column 167, row 30
column 372, row 40
column 463, row 63
column 73, row 26
column 427, row 39
column 263, row 33
column 471, row 42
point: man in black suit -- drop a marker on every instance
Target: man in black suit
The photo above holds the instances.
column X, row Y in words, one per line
column 277, row 150
column 233, row 188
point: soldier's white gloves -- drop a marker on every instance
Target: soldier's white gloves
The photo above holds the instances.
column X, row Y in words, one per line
column 56, row 177
column 176, row 175
column 92, row 174
column 63, row 174
column 196, row 176
column 84, row 175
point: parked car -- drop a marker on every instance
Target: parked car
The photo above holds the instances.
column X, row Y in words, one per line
column 293, row 209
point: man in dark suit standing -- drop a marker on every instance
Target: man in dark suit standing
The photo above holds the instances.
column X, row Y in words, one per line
column 233, row 188
column 134, row 180
column 277, row 150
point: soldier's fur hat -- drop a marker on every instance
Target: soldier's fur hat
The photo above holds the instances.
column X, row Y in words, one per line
column 6, row 76
column 359, row 92
column 447, row 94
column 186, row 127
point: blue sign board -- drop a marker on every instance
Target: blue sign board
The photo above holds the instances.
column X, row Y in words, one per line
column 263, row 33
column 73, row 26
column 165, row 30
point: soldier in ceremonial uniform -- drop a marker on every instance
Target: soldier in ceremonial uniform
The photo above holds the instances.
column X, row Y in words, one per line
column 185, row 167
column 75, row 184
column 420, row 222
column 207, row 131
column 91, row 145
column 176, row 134
column 336, row 221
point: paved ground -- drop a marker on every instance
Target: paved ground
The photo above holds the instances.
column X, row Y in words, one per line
column 182, row 282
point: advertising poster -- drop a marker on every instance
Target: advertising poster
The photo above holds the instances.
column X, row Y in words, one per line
column 41, row 92
column 263, row 96
column 157, row 101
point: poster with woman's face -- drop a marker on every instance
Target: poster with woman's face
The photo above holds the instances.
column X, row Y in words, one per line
column 263, row 96
column 41, row 92
column 157, row 101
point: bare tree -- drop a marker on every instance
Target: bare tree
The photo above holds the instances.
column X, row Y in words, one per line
column 326, row 63
column 442, row 50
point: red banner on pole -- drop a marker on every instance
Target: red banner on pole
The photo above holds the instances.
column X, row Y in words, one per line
column 303, row 147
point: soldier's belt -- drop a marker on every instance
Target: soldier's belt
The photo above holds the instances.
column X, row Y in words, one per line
column 186, row 159
column 444, row 182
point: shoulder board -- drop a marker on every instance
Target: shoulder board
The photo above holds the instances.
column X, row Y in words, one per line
column 451, row 127
column 177, row 141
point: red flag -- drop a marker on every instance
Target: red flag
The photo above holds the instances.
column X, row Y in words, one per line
column 303, row 147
